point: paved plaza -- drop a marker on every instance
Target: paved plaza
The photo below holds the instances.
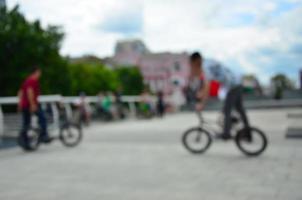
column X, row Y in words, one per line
column 144, row 159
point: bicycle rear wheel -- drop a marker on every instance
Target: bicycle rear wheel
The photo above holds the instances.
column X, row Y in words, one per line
column 31, row 141
column 251, row 141
column 71, row 135
column 196, row 140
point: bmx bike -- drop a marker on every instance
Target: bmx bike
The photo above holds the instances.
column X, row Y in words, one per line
column 250, row 141
column 70, row 134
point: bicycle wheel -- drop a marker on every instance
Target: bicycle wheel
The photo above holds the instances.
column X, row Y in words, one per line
column 71, row 135
column 33, row 140
column 196, row 140
column 251, row 143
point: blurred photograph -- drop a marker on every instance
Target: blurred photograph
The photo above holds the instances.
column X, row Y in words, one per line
column 150, row 99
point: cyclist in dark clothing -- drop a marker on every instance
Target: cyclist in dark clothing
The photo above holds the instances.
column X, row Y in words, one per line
column 233, row 99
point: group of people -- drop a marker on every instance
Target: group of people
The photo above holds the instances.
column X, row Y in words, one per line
column 148, row 106
column 110, row 104
column 108, row 107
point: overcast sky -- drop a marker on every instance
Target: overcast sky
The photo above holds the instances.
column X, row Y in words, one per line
column 249, row 36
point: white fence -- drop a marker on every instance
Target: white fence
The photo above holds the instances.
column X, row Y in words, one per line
column 67, row 101
column 52, row 100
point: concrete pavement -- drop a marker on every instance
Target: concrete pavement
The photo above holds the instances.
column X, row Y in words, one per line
column 145, row 160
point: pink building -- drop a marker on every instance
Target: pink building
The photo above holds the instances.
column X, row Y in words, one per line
column 164, row 71
column 161, row 71
column 128, row 52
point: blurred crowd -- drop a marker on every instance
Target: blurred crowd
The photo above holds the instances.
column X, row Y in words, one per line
column 111, row 107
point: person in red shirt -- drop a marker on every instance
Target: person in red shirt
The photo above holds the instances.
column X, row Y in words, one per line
column 28, row 104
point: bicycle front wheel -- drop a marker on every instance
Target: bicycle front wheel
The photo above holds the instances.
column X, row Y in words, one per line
column 71, row 135
column 196, row 140
column 251, row 141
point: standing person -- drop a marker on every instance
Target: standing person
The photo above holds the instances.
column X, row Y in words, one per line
column 28, row 104
column 145, row 105
column 231, row 92
column 106, row 104
column 197, row 89
column 160, row 104
column 83, row 108
column 119, row 104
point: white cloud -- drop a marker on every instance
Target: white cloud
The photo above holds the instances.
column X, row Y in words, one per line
column 230, row 31
column 175, row 26
column 80, row 21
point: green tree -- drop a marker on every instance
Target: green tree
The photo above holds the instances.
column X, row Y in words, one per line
column 280, row 83
column 131, row 80
column 91, row 78
column 283, row 81
column 24, row 44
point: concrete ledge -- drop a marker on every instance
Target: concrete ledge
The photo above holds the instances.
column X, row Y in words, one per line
column 8, row 142
column 214, row 104
column 294, row 133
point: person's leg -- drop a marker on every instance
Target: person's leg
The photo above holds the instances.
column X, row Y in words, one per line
column 42, row 124
column 240, row 108
column 162, row 109
column 228, row 104
column 26, row 121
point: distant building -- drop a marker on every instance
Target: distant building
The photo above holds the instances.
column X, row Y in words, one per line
column 2, row 3
column 128, row 52
column 216, row 71
column 162, row 71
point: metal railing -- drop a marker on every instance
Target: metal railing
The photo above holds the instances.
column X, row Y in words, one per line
column 50, row 99
column 67, row 101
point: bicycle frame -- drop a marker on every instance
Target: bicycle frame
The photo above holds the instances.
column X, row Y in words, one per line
column 212, row 125
column 207, row 123
column 53, row 131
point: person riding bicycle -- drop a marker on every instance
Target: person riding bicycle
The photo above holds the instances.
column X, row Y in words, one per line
column 231, row 93
column 197, row 88
column 28, row 104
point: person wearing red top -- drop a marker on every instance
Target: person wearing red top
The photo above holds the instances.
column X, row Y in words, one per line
column 28, row 104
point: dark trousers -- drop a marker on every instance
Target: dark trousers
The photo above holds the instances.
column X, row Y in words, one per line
column 234, row 100
column 26, row 125
column 160, row 110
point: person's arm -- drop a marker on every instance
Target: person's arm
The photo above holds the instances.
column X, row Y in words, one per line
column 20, row 93
column 203, row 96
column 205, row 92
column 32, row 103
